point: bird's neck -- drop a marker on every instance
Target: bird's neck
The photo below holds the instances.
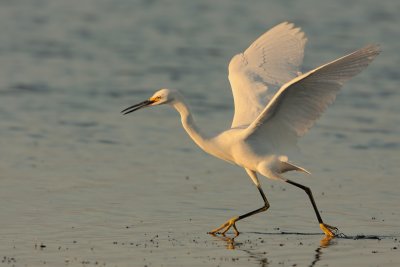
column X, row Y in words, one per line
column 188, row 123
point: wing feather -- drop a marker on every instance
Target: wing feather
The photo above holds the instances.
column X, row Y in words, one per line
column 270, row 61
column 300, row 102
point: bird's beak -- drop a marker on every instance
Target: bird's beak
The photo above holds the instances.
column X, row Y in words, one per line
column 137, row 106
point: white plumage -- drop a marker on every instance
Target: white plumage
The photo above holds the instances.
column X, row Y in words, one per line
column 272, row 60
column 274, row 105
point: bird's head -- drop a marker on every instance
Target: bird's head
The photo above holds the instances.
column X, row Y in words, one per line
column 163, row 96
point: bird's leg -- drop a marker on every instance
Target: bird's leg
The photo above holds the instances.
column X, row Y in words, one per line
column 231, row 222
column 327, row 229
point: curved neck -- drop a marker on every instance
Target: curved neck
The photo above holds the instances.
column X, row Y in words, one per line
column 188, row 123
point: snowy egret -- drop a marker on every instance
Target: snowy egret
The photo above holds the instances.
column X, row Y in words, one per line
column 268, row 123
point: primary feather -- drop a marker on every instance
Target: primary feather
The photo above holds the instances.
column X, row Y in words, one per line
column 301, row 101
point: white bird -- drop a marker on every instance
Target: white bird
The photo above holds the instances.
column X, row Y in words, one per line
column 266, row 124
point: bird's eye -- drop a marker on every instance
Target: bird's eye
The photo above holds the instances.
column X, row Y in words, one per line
column 155, row 98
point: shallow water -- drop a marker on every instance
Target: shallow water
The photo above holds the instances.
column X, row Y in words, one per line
column 83, row 185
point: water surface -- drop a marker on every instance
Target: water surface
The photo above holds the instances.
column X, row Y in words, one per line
column 83, row 185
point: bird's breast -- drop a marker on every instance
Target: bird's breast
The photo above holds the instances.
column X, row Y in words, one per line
column 230, row 146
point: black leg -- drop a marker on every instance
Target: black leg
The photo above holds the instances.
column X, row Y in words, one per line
column 327, row 229
column 231, row 222
column 263, row 208
column 309, row 193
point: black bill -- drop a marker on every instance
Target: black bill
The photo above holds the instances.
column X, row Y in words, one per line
column 137, row 106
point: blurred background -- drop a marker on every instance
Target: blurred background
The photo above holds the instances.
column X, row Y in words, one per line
column 91, row 185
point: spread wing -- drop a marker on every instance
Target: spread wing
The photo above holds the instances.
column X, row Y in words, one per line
column 300, row 102
column 272, row 60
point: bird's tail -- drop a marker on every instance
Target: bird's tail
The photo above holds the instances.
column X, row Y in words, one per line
column 286, row 166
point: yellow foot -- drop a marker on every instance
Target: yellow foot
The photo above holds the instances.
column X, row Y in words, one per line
column 328, row 230
column 226, row 226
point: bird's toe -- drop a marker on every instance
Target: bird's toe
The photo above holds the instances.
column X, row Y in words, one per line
column 225, row 227
column 328, row 229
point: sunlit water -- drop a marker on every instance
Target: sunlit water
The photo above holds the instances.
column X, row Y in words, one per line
column 80, row 184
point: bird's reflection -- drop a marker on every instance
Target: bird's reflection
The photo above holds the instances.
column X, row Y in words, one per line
column 231, row 244
column 324, row 243
column 230, row 241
